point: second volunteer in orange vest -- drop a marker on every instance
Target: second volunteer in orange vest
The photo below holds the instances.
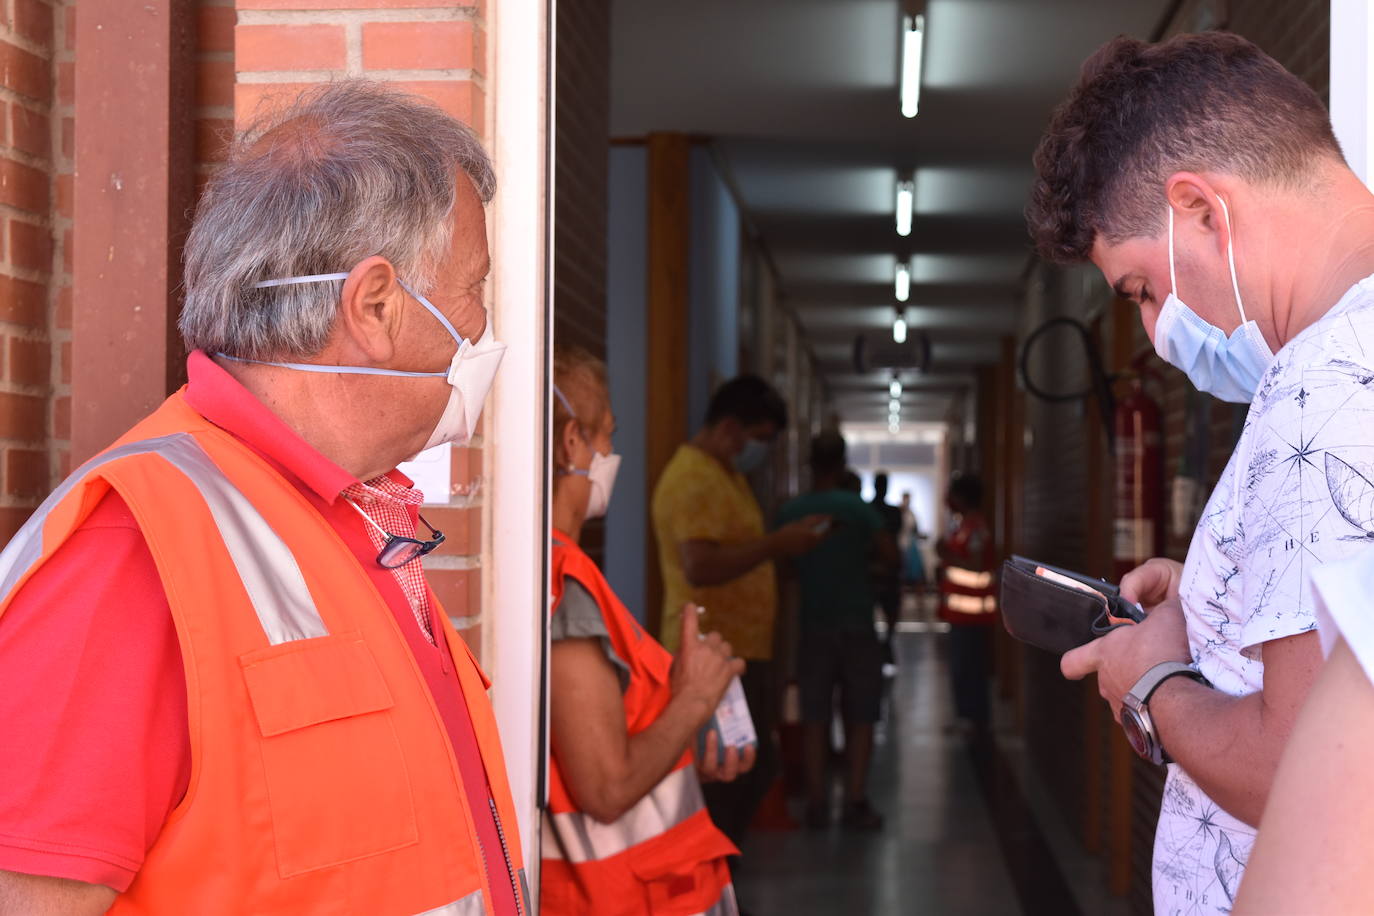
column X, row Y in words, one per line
column 968, row 601
column 324, row 742
column 626, row 832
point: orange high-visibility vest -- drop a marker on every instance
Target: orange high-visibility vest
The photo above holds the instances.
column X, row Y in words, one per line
column 322, row 776
column 664, row 856
column 969, row 596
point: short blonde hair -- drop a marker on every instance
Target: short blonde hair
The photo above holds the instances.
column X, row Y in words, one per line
column 581, row 378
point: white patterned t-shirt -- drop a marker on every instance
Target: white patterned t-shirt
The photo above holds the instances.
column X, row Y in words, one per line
column 1298, row 492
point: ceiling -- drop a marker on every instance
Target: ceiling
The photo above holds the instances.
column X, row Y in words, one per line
column 801, row 98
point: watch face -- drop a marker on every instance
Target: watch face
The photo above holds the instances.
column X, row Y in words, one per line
column 1135, row 733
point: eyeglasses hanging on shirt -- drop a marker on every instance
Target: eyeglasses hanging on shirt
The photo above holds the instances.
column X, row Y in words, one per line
column 399, row 549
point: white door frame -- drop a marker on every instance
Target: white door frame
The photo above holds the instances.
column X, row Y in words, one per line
column 515, row 631
column 1352, row 83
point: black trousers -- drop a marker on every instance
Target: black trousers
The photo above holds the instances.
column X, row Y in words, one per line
column 970, row 668
column 732, row 805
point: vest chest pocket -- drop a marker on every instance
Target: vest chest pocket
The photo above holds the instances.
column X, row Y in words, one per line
column 336, row 777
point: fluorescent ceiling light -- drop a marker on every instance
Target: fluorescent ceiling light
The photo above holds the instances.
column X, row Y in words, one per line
column 895, row 389
column 903, row 281
column 899, row 330
column 913, row 44
column 906, row 203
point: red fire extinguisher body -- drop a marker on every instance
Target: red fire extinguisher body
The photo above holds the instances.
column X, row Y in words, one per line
column 1139, row 480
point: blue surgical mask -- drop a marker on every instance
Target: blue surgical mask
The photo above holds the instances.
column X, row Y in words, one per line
column 1229, row 368
column 752, row 456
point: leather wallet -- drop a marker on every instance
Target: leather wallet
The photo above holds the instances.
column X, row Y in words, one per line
column 1057, row 610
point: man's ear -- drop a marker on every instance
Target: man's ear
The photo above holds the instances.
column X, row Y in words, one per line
column 1196, row 200
column 368, row 308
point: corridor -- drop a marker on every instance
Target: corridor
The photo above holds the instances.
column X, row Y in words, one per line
column 968, row 831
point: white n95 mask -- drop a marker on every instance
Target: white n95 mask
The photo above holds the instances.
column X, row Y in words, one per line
column 1229, row 368
column 469, row 374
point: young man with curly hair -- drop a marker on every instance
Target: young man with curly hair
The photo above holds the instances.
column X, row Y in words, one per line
column 1199, row 171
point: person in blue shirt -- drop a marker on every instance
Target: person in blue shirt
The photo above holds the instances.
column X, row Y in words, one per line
column 838, row 647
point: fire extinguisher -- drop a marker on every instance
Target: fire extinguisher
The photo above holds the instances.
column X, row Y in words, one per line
column 1139, row 479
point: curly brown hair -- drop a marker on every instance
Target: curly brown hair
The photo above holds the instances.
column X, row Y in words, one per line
column 1212, row 102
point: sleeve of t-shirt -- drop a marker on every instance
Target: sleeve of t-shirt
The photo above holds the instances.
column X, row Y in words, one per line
column 1307, row 492
column 91, row 676
column 577, row 616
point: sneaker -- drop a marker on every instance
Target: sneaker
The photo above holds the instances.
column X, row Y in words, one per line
column 860, row 815
column 817, row 816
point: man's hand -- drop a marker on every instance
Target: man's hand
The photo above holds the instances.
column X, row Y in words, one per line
column 703, row 668
column 801, row 536
column 1123, row 655
column 1153, row 582
column 710, row 768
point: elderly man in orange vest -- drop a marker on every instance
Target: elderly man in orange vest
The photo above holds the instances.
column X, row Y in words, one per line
column 235, row 690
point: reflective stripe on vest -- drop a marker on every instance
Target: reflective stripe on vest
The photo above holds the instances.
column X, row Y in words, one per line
column 274, row 583
column 971, row 604
column 471, row 905
column 577, row 837
column 968, row 578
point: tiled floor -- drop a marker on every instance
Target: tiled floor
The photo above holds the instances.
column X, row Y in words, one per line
column 959, row 839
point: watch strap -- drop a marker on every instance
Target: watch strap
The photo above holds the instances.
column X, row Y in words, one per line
column 1149, row 681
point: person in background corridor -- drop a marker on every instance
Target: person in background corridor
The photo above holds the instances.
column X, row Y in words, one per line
column 1205, row 182
column 888, row 575
column 838, row 648
column 624, row 713
column 909, row 542
column 714, row 552
column 235, row 691
column 968, row 602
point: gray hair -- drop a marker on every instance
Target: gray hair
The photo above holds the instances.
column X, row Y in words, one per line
column 350, row 170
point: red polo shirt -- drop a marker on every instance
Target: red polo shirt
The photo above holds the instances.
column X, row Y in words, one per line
column 96, row 751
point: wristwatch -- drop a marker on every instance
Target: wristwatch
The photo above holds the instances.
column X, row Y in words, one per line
column 1135, row 710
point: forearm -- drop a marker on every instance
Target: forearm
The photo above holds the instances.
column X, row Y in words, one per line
column 1221, row 742
column 38, row 895
column 648, row 757
column 717, row 563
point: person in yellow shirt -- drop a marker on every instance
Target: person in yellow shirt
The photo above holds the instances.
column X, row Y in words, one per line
column 714, row 551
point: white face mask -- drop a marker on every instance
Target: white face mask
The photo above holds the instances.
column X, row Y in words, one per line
column 469, row 374
column 1229, row 368
column 601, row 473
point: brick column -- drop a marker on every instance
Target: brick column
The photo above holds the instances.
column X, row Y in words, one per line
column 26, row 256
column 433, row 48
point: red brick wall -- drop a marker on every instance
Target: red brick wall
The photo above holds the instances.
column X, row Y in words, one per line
column 434, row 48
column 37, row 149
column 29, row 135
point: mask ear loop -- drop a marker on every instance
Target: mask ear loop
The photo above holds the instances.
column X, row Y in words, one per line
column 1173, row 278
column 1231, row 258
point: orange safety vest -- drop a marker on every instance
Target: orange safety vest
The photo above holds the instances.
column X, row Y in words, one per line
column 664, row 856
column 969, row 596
column 322, row 776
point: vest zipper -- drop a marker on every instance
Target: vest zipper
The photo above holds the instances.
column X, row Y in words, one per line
column 505, row 851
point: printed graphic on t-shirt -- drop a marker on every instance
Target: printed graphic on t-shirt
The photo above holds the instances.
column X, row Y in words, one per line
column 1297, row 493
